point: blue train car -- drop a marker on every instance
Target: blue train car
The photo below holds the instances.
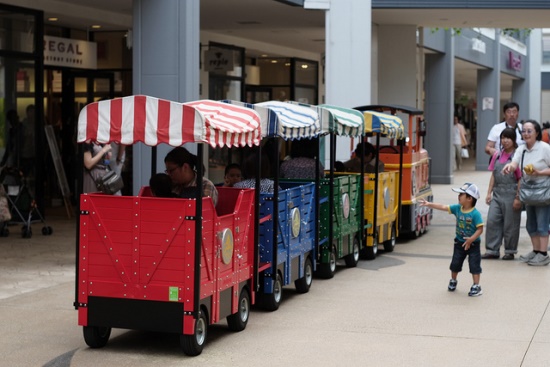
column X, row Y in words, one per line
column 288, row 233
column 294, row 260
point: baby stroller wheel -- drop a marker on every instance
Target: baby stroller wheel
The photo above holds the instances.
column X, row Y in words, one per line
column 4, row 231
column 26, row 232
column 47, row 230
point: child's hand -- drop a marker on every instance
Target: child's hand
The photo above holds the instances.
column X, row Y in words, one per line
column 466, row 245
column 423, row 202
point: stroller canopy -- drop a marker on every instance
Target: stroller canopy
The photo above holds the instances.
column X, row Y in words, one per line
column 154, row 121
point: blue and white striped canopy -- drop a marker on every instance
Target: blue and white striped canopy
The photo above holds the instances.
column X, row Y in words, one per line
column 285, row 120
column 382, row 123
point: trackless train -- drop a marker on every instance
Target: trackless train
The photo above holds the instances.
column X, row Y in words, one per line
column 178, row 265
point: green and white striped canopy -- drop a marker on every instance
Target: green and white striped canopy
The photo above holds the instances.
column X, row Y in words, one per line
column 338, row 120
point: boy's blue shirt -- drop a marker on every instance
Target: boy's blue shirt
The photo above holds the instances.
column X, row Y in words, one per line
column 467, row 222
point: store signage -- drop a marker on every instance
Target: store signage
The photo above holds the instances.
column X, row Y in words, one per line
column 514, row 61
column 70, row 53
column 218, row 60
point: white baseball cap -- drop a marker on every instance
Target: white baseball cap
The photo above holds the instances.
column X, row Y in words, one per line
column 470, row 189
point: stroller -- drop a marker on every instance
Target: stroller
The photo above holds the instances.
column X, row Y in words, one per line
column 21, row 204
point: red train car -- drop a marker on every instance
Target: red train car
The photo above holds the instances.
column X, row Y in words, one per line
column 161, row 264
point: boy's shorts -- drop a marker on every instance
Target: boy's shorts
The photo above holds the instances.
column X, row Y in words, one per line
column 473, row 254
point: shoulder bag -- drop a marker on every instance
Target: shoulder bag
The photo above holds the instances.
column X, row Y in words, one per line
column 534, row 193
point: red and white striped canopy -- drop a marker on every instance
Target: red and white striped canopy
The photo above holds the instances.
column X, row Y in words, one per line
column 154, row 121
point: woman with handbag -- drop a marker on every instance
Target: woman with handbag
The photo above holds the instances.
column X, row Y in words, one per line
column 533, row 158
column 504, row 216
column 96, row 160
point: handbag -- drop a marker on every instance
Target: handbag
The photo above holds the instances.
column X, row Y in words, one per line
column 534, row 193
column 109, row 183
column 464, row 153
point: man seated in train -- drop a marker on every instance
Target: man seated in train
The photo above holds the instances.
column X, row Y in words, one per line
column 354, row 164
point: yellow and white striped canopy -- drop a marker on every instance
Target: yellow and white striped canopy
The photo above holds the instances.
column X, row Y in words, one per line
column 384, row 124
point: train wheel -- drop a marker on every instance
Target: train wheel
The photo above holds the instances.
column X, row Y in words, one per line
column 370, row 252
column 353, row 258
column 26, row 232
column 96, row 336
column 238, row 321
column 327, row 270
column 303, row 284
column 389, row 245
column 271, row 301
column 192, row 344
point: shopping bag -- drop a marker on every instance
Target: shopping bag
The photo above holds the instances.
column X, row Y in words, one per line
column 464, row 153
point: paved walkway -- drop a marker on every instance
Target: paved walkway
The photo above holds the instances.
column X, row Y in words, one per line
column 392, row 311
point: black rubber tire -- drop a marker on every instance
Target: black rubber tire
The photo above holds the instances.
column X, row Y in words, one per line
column 353, row 259
column 46, row 231
column 327, row 271
column 304, row 283
column 96, row 336
column 26, row 232
column 192, row 345
column 389, row 245
column 271, row 301
column 238, row 321
column 370, row 252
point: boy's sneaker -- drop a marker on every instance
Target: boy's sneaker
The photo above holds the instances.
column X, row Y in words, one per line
column 539, row 260
column 475, row 291
column 528, row 257
column 452, row 285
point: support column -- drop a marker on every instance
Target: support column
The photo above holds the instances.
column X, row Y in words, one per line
column 348, row 59
column 533, row 107
column 397, row 65
column 165, row 63
column 488, row 86
column 439, row 111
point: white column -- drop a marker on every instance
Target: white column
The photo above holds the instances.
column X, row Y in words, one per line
column 348, row 58
column 397, row 65
column 165, row 63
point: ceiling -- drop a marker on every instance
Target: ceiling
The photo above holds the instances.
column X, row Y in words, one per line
column 273, row 22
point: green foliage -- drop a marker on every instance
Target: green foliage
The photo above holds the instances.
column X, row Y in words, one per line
column 518, row 33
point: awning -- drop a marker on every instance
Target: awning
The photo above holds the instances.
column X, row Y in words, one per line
column 154, row 121
column 344, row 121
column 285, row 120
column 384, row 124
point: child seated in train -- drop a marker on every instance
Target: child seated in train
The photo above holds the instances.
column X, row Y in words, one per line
column 232, row 175
column 161, row 186
column 250, row 172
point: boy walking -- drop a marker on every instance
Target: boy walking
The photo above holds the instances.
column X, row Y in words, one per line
column 469, row 227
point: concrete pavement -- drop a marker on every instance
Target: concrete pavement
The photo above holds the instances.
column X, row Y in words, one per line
column 392, row 311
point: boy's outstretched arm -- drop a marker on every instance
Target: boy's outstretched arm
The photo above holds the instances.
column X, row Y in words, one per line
column 433, row 205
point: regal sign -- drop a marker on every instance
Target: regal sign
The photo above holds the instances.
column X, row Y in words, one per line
column 70, row 53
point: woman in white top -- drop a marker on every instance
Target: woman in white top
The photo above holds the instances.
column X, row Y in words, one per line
column 536, row 153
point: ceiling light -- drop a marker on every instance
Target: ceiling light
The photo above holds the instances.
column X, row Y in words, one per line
column 273, row 61
column 304, row 66
column 96, row 26
column 53, row 19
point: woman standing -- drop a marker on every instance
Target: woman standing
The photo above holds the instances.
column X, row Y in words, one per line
column 503, row 219
column 96, row 161
column 536, row 153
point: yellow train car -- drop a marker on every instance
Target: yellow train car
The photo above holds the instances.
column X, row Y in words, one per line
column 381, row 203
column 412, row 161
